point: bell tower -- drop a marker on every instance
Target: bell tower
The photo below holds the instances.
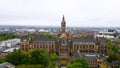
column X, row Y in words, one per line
column 63, row 25
column 63, row 48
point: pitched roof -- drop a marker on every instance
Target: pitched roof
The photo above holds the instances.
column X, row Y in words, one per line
column 63, row 35
column 7, row 65
column 44, row 40
column 83, row 40
column 24, row 39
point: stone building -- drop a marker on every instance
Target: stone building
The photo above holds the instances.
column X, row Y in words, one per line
column 84, row 45
column 65, row 45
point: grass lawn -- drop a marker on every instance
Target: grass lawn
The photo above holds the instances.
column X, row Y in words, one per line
column 29, row 66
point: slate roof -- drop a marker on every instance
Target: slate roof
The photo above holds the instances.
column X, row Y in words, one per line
column 44, row 40
column 83, row 40
column 101, row 41
column 87, row 56
column 24, row 39
column 7, row 65
column 3, row 48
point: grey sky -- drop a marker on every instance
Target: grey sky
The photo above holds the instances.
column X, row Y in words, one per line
column 49, row 12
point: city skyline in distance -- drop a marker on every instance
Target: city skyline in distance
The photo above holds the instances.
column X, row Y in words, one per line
column 79, row 13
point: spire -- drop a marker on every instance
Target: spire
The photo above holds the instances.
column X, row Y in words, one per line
column 63, row 24
column 63, row 18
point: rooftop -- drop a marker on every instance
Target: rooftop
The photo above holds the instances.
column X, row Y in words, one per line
column 44, row 40
column 84, row 40
column 7, row 65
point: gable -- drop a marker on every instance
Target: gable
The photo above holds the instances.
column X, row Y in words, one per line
column 63, row 35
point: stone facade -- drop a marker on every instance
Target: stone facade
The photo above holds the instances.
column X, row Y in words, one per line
column 65, row 45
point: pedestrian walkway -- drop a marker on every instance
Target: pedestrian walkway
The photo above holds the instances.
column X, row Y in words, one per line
column 63, row 67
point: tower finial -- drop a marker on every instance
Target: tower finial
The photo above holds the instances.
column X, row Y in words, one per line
column 63, row 17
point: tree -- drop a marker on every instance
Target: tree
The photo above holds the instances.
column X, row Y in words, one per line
column 39, row 57
column 46, row 35
column 113, row 47
column 74, row 65
column 112, row 56
column 14, row 58
column 78, row 63
column 1, row 61
column 82, row 61
column 112, row 51
column 6, row 36
column 53, row 57
column 118, row 57
column 115, row 34
column 31, row 57
column 17, row 57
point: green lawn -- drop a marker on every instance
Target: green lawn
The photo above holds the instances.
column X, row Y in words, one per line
column 29, row 66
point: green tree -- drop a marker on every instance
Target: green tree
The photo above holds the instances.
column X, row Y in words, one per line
column 74, row 65
column 39, row 57
column 113, row 47
column 78, row 63
column 112, row 56
column 82, row 61
column 14, row 58
column 118, row 57
column 53, row 57
column 1, row 61
column 34, row 57
column 6, row 36
column 46, row 35
column 112, row 51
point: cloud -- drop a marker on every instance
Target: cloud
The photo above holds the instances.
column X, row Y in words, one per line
column 49, row 12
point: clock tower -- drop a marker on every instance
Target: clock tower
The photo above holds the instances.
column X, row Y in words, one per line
column 63, row 25
column 64, row 47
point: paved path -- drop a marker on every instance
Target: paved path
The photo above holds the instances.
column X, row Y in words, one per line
column 63, row 67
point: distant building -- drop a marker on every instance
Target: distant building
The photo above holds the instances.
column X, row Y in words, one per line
column 7, row 65
column 8, row 46
column 43, row 31
column 4, row 30
column 105, row 36
column 10, row 42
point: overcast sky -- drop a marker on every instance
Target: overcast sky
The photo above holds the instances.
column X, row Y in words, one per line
column 88, row 13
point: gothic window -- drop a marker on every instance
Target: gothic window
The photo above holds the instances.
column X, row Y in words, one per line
column 63, row 41
column 93, row 46
column 80, row 46
column 83, row 46
column 77, row 46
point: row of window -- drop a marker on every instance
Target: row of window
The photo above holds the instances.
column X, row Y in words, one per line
column 83, row 46
column 25, row 48
column 86, row 51
column 24, row 43
column 44, row 46
column 45, row 43
column 103, row 47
